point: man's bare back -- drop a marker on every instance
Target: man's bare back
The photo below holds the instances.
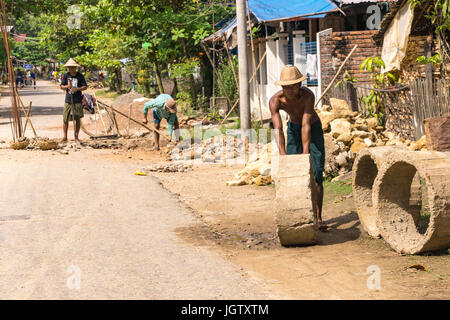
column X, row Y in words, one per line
column 297, row 107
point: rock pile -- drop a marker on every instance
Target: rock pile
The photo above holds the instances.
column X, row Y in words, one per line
column 214, row 150
column 347, row 132
column 172, row 167
column 257, row 170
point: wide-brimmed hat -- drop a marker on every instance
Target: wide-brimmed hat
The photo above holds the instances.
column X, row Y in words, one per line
column 71, row 63
column 290, row 75
column 171, row 105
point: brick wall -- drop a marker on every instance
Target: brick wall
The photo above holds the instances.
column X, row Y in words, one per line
column 336, row 46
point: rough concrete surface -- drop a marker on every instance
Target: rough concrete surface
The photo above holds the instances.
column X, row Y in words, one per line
column 365, row 170
column 392, row 193
column 294, row 204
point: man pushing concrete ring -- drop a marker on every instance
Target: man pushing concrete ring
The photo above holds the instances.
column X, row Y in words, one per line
column 164, row 106
column 304, row 129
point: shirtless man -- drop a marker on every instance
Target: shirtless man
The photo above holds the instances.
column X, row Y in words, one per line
column 304, row 129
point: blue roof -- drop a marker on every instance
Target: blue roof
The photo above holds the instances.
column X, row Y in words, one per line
column 273, row 10
column 278, row 10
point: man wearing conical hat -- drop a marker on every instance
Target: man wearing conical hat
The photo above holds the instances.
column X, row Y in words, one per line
column 304, row 129
column 74, row 83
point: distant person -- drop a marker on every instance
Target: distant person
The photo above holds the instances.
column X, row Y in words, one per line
column 164, row 106
column 33, row 78
column 4, row 79
column 74, row 83
column 19, row 78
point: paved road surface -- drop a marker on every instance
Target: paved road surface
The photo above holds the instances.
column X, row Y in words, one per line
column 78, row 219
column 115, row 228
column 47, row 108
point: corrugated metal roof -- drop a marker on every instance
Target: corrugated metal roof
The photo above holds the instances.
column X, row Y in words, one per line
column 280, row 10
column 345, row 2
column 269, row 10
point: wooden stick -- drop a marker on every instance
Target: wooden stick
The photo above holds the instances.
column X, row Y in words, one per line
column 28, row 119
column 335, row 76
column 135, row 121
column 98, row 110
column 129, row 116
column 26, row 114
column 259, row 66
column 254, row 61
column 231, row 110
column 231, row 62
column 217, row 73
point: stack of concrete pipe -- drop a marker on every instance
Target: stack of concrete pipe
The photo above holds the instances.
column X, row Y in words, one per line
column 387, row 193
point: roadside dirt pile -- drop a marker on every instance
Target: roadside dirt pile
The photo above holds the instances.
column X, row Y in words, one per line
column 347, row 132
column 257, row 169
column 172, row 167
column 41, row 143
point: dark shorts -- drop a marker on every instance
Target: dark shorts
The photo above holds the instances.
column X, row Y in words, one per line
column 316, row 148
column 67, row 113
column 157, row 120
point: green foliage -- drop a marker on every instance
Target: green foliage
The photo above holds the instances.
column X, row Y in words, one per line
column 373, row 101
column 225, row 69
column 185, row 100
column 436, row 59
column 341, row 188
column 183, row 69
column 347, row 78
column 438, row 12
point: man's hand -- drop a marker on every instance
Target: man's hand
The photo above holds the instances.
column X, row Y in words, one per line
column 73, row 90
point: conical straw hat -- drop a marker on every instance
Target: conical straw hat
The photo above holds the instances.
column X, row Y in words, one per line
column 290, row 75
column 71, row 63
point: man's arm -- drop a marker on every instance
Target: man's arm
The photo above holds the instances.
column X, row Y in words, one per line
column 147, row 105
column 64, row 84
column 170, row 122
column 306, row 124
column 274, row 106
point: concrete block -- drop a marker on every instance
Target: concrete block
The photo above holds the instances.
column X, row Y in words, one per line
column 295, row 200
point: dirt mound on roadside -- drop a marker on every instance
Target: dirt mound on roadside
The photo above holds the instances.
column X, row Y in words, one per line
column 126, row 99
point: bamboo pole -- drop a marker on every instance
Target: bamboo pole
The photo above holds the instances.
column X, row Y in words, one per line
column 17, row 121
column 254, row 62
column 336, row 75
column 129, row 120
column 219, row 77
column 231, row 62
column 135, row 121
column 259, row 66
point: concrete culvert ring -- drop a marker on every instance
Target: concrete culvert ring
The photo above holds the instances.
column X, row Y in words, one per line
column 365, row 171
column 399, row 215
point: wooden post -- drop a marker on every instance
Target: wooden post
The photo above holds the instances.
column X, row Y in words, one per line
column 217, row 73
column 429, row 71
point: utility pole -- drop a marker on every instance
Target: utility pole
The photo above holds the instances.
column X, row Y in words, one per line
column 244, row 97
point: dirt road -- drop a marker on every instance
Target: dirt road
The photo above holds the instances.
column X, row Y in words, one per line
column 78, row 219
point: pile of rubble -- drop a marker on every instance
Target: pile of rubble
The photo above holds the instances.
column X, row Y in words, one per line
column 257, row 169
column 214, row 150
column 23, row 143
column 172, row 167
column 347, row 132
